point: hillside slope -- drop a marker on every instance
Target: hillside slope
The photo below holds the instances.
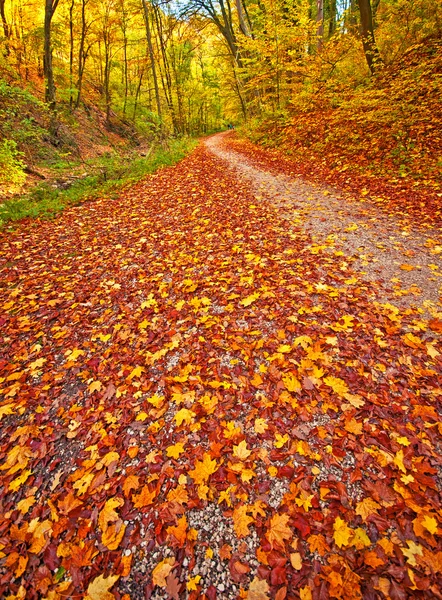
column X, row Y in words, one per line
column 384, row 135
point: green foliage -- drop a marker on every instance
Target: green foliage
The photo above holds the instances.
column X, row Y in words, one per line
column 12, row 175
column 110, row 174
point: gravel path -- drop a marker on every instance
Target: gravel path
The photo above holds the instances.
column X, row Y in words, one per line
column 405, row 262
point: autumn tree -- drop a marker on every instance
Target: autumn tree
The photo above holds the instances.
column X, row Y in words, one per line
column 371, row 50
column 50, row 8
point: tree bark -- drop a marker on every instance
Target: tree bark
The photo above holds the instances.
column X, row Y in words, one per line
column 50, row 8
column 371, row 50
column 152, row 57
column 6, row 29
column 319, row 22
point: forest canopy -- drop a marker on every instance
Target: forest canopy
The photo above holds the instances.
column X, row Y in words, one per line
column 189, row 67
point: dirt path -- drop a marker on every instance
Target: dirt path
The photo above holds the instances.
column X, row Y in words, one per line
column 206, row 393
column 404, row 261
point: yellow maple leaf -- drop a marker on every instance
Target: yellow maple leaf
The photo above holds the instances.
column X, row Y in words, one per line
column 273, row 471
column 95, row 386
column 250, row 299
column 184, row 415
column 342, row 532
column 399, row 461
column 304, row 500
column 192, row 584
column 136, row 372
column 260, row 425
column 279, row 530
column 280, row 440
column 430, row 524
column 367, row 507
column 175, row 450
column 41, row 531
column 241, row 520
column 108, row 513
column 291, row 383
column 98, row 589
column 305, row 593
column 411, row 552
column 360, row 539
column 162, row 570
column 240, row 451
column 74, row 354
column 24, row 505
column 6, row 409
column 203, row 469
column 82, row 485
column 230, row 430
column 338, row 385
column 18, row 481
column 284, row 348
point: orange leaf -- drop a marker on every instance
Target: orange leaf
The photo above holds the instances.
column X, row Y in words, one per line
column 279, row 531
column 144, row 498
column 179, row 531
column 241, row 520
column 131, row 483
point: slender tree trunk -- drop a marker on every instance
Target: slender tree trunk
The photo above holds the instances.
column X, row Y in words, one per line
column 320, row 22
column 81, row 53
column 50, row 8
column 332, row 21
column 152, row 56
column 6, row 29
column 71, row 53
column 371, row 50
column 137, row 94
column 166, row 78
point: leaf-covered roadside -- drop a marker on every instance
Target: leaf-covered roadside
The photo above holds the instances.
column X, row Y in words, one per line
column 198, row 400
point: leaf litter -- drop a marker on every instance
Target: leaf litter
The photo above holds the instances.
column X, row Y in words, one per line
column 206, row 396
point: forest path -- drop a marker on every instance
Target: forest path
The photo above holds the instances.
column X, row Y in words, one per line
column 202, row 396
column 405, row 262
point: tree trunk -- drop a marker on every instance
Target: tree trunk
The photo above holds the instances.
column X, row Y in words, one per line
column 152, row 56
column 319, row 22
column 371, row 50
column 332, row 18
column 82, row 55
column 71, row 53
column 6, row 29
column 50, row 7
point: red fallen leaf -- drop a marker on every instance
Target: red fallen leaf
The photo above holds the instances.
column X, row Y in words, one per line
column 397, row 591
column 275, row 559
column 238, row 570
column 307, row 383
column 211, row 592
column 278, row 576
column 173, row 586
column 301, row 523
column 286, row 471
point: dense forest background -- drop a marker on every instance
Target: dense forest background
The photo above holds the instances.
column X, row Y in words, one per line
column 350, row 84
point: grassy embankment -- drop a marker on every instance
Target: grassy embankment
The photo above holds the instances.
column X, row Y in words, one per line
column 50, row 162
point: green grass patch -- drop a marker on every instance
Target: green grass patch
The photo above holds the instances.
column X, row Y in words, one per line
column 107, row 176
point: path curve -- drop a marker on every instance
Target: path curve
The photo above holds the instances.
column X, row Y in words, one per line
column 406, row 263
